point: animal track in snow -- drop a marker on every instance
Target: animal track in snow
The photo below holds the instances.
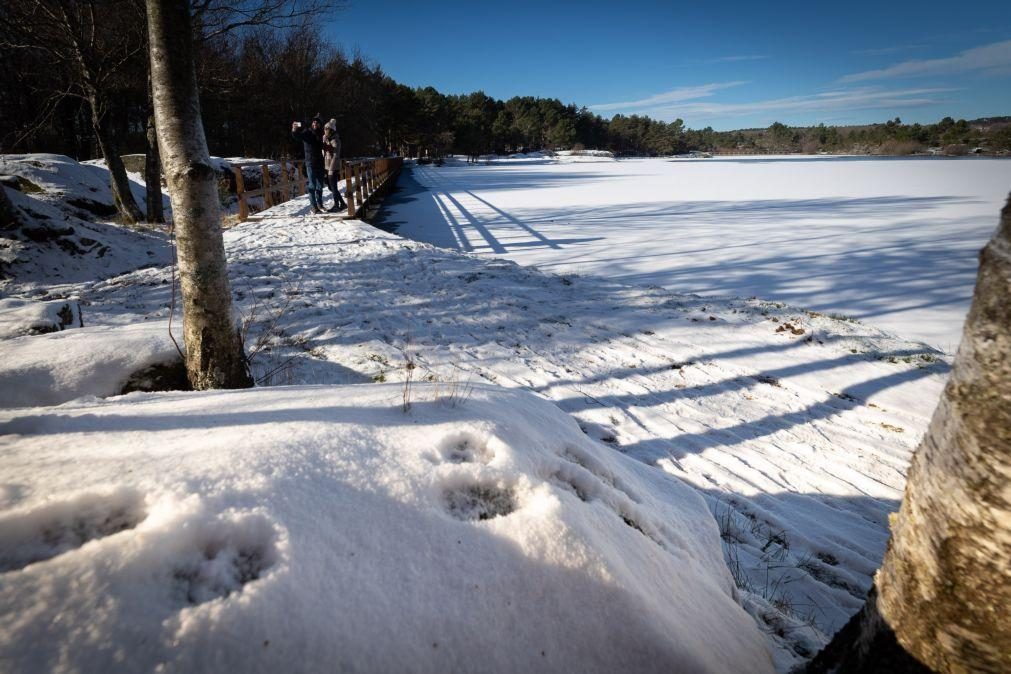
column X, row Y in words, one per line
column 480, row 502
column 225, row 555
column 56, row 528
column 466, row 448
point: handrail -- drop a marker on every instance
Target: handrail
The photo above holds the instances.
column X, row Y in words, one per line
column 272, row 195
column 366, row 181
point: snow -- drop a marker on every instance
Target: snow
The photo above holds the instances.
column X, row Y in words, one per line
column 892, row 242
column 98, row 361
column 574, row 401
column 322, row 527
column 79, row 188
column 57, row 247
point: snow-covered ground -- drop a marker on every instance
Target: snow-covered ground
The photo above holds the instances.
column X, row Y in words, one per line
column 323, row 528
column 192, row 522
column 888, row 241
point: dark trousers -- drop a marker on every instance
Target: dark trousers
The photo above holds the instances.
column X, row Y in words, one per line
column 332, row 179
column 315, row 186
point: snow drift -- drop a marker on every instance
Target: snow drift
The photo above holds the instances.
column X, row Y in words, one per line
column 314, row 528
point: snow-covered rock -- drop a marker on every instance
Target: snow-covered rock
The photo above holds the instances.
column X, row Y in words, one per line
column 53, row 368
column 20, row 317
column 319, row 528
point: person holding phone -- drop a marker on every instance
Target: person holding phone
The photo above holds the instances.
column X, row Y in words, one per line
column 312, row 143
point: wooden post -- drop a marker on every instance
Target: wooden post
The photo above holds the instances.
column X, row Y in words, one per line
column 268, row 198
column 285, row 185
column 365, row 184
column 359, row 175
column 348, row 174
column 240, row 192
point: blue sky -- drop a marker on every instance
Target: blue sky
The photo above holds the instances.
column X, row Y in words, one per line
column 725, row 65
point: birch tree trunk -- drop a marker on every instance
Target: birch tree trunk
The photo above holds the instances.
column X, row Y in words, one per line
column 214, row 351
column 944, row 588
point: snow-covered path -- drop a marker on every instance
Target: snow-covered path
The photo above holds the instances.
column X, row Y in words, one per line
column 794, row 426
column 889, row 241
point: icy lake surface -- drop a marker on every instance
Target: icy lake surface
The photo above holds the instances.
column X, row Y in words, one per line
column 889, row 241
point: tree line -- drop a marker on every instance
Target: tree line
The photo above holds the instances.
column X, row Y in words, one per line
column 77, row 83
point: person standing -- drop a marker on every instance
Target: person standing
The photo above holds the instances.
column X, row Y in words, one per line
column 332, row 160
column 312, row 142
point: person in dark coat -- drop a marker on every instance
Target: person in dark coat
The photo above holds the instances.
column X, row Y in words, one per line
column 312, row 142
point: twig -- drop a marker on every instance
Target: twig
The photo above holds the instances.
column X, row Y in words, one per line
column 172, row 306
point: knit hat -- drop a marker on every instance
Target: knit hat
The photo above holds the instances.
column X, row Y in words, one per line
column 332, row 125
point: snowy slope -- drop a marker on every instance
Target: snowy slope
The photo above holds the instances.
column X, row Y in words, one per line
column 795, row 427
column 53, row 248
column 318, row 528
column 79, row 188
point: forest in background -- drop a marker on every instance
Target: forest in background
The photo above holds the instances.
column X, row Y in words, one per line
column 256, row 79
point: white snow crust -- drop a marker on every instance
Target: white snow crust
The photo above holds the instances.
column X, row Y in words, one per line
column 316, row 528
column 97, row 361
column 216, row 530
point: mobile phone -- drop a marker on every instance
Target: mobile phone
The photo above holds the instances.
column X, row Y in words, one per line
column 298, row 125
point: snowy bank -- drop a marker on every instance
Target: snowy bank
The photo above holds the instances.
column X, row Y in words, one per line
column 66, row 233
column 57, row 367
column 794, row 426
column 316, row 528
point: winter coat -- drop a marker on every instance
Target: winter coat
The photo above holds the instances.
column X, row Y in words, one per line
column 313, row 145
column 332, row 151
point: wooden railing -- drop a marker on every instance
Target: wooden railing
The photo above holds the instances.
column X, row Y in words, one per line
column 291, row 178
column 365, row 182
column 368, row 181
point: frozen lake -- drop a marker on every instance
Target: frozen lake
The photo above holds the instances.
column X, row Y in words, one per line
column 891, row 242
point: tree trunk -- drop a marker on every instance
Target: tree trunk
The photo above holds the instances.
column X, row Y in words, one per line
column 152, row 174
column 944, row 587
column 120, row 184
column 214, row 351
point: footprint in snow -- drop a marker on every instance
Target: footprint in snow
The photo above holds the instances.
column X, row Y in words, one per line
column 223, row 556
column 56, row 528
column 466, row 448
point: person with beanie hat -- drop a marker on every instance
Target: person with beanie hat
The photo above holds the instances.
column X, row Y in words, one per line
column 332, row 162
column 312, row 143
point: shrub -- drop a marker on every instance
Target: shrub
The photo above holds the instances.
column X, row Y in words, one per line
column 899, row 147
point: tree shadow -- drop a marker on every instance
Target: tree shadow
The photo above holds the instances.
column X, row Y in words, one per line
column 640, row 368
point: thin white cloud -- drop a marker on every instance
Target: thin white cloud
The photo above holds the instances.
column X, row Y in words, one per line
column 993, row 58
column 735, row 59
column 672, row 96
column 882, row 51
column 829, row 102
